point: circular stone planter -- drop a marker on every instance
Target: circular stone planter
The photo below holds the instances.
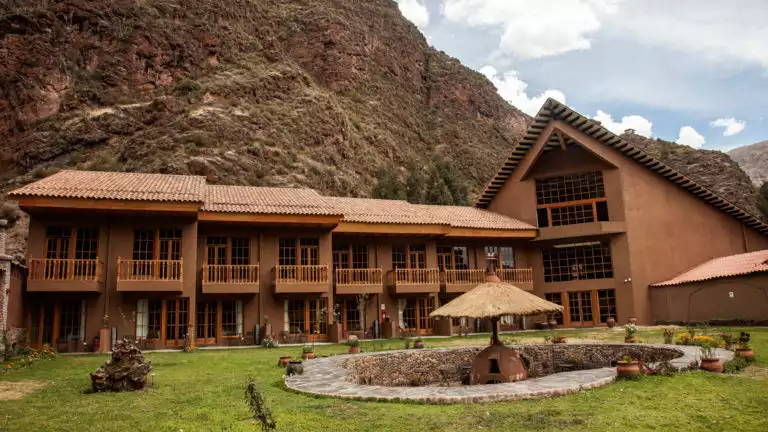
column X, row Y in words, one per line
column 330, row 376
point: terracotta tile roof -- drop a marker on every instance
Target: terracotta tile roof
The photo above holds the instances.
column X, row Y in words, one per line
column 470, row 217
column 365, row 210
column 553, row 109
column 266, row 200
column 727, row 266
column 117, row 186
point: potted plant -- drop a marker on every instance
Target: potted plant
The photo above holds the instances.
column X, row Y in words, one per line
column 552, row 323
column 727, row 339
column 308, row 352
column 557, row 339
column 629, row 332
column 294, row 367
column 669, row 334
column 709, row 361
column 354, row 344
column 418, row 343
column 628, row 368
column 633, row 320
column 283, row 362
column 744, row 349
column 610, row 322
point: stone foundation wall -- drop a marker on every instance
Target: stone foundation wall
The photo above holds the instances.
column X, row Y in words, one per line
column 400, row 368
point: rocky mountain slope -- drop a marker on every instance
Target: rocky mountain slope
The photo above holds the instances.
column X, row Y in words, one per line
column 753, row 159
column 317, row 93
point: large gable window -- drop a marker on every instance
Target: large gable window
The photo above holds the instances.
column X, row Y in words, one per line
column 571, row 199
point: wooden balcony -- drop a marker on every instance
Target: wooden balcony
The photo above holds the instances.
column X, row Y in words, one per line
column 302, row 279
column 460, row 281
column 65, row 275
column 521, row 278
column 359, row 281
column 149, row 275
column 230, row 279
column 416, row 281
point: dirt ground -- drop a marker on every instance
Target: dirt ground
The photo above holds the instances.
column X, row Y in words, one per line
column 19, row 389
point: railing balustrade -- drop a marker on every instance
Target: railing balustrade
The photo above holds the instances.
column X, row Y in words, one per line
column 230, row 273
column 66, row 269
column 144, row 270
column 301, row 274
column 417, row 276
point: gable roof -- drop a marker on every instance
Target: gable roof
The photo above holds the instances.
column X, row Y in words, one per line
column 266, row 200
column 727, row 266
column 116, row 186
column 554, row 110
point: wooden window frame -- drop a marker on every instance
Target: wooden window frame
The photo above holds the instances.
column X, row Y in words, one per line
column 298, row 248
column 345, row 319
column 547, row 200
column 592, row 260
column 422, row 307
column 349, row 252
column 498, row 250
column 306, row 312
column 449, row 255
column 410, row 251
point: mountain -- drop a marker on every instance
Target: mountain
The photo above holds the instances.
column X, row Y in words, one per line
column 753, row 159
column 327, row 94
column 712, row 169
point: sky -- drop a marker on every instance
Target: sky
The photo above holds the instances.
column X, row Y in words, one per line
column 689, row 71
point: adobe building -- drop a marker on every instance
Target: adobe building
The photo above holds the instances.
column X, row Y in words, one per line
column 575, row 214
column 727, row 289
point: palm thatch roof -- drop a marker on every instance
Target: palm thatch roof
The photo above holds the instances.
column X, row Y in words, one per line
column 496, row 299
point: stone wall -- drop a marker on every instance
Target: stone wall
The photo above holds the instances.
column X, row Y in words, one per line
column 423, row 367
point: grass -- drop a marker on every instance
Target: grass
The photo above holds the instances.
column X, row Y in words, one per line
column 203, row 391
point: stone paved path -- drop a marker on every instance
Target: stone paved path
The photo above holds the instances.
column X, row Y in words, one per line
column 326, row 377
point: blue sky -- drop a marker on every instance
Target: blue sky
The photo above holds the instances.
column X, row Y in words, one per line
column 691, row 71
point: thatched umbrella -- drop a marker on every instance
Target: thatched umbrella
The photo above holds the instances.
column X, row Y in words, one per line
column 494, row 299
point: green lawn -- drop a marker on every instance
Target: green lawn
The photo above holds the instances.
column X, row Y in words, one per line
column 203, row 391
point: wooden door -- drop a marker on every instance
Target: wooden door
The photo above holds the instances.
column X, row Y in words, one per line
column 580, row 308
column 316, row 318
column 207, row 323
column 176, row 320
column 57, row 247
column 169, row 250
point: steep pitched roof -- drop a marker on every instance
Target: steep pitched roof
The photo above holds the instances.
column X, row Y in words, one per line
column 266, row 200
column 553, row 109
column 727, row 266
column 116, row 186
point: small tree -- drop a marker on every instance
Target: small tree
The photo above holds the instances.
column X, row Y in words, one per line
column 452, row 180
column 258, row 406
column 389, row 186
column 437, row 191
column 414, row 187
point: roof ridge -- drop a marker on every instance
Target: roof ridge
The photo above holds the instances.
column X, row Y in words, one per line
column 650, row 162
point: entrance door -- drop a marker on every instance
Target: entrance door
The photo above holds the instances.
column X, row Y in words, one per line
column 206, row 323
column 170, row 250
column 580, row 308
column 176, row 319
column 416, row 315
column 57, row 245
column 56, row 323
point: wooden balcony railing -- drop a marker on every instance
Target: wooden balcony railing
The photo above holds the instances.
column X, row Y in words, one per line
column 310, row 274
column 66, row 269
column 417, row 276
column 145, row 270
column 231, row 274
column 522, row 275
column 464, row 277
column 368, row 276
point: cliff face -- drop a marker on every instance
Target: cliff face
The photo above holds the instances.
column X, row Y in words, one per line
column 753, row 159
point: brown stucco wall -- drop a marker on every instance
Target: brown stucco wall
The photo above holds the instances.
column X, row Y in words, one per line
column 711, row 300
column 668, row 230
column 15, row 316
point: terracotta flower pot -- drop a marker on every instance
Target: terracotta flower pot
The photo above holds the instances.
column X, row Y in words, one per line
column 747, row 353
column 418, row 344
column 628, row 369
column 552, row 323
column 711, row 364
column 560, row 340
column 633, row 320
column 284, row 360
column 611, row 323
column 629, row 339
column 354, row 350
column 309, row 355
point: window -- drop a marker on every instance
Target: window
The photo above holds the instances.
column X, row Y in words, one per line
column 63, row 243
column 141, row 319
column 557, row 299
column 580, row 306
column 206, row 322
column 350, row 256
column 143, row 245
column 607, row 302
column 86, row 242
column 155, row 313
column 577, row 262
column 409, row 256
column 505, row 256
column 71, row 320
column 176, row 319
column 287, row 252
column 571, row 199
column 308, row 251
column 240, row 251
column 352, row 316
column 217, row 250
column 306, row 316
column 231, row 318
column 415, row 314
column 224, row 251
column 452, row 258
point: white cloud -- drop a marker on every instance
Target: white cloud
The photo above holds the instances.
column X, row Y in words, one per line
column 726, row 32
column 415, row 11
column 688, row 136
column 513, row 90
column 731, row 125
column 640, row 124
column 534, row 28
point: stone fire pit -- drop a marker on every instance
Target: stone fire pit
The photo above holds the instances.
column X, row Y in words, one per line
column 391, row 375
